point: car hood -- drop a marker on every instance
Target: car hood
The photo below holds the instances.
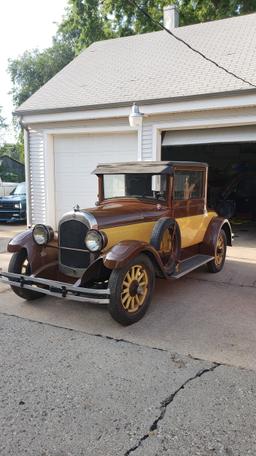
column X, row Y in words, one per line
column 125, row 212
column 12, row 198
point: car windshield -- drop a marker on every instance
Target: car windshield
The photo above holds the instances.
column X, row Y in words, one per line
column 135, row 186
column 20, row 189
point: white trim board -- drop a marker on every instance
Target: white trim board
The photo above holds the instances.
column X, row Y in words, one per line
column 213, row 135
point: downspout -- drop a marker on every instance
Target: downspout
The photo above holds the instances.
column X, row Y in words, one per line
column 27, row 173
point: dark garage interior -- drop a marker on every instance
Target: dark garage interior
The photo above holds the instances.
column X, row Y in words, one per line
column 232, row 175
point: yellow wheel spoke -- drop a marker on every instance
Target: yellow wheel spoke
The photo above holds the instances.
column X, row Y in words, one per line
column 125, row 297
column 137, row 300
column 126, row 290
column 129, row 278
column 132, row 303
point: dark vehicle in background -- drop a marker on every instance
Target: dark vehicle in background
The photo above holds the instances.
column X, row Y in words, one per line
column 13, row 206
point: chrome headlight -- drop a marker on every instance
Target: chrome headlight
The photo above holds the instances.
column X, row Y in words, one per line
column 42, row 234
column 95, row 240
column 17, row 206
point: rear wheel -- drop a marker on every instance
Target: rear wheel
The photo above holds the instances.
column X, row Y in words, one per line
column 131, row 289
column 19, row 265
column 217, row 263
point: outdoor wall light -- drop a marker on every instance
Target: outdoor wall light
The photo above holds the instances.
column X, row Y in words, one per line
column 135, row 117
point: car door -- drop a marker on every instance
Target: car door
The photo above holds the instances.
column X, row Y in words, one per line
column 189, row 204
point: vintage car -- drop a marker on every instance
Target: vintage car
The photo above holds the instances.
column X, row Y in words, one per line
column 150, row 220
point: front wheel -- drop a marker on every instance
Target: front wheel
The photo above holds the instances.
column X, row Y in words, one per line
column 131, row 289
column 217, row 263
column 19, row 265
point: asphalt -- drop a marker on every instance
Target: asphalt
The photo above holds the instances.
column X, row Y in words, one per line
column 180, row 382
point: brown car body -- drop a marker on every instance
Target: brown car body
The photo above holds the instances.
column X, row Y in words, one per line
column 126, row 225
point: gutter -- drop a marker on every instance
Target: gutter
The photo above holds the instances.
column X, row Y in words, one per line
column 124, row 104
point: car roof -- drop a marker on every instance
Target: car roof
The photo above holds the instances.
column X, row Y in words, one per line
column 145, row 167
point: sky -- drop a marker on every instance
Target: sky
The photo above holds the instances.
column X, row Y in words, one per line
column 24, row 25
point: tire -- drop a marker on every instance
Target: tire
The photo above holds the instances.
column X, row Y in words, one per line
column 17, row 265
column 163, row 230
column 129, row 306
column 217, row 263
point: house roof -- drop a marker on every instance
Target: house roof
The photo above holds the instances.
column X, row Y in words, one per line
column 153, row 67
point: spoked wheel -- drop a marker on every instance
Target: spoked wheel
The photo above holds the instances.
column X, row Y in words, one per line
column 166, row 246
column 19, row 265
column 217, row 263
column 131, row 290
column 166, row 240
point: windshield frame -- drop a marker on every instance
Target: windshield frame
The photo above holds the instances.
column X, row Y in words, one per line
column 151, row 199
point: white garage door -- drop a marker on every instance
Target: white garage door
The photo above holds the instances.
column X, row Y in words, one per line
column 76, row 156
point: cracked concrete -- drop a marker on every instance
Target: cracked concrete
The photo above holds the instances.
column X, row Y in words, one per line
column 66, row 393
column 164, row 404
column 214, row 416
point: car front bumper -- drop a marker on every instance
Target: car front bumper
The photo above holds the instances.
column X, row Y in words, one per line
column 12, row 215
column 56, row 289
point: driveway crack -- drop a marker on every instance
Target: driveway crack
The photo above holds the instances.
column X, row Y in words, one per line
column 166, row 402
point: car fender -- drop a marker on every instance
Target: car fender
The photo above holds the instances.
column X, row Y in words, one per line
column 121, row 253
column 212, row 233
column 38, row 256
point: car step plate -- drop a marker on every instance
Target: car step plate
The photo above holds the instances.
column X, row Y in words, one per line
column 190, row 264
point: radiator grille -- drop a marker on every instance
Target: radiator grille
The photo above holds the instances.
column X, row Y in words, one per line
column 71, row 236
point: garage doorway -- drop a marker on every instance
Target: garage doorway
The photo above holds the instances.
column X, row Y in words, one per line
column 232, row 180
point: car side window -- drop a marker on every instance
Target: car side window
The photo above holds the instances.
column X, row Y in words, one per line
column 188, row 185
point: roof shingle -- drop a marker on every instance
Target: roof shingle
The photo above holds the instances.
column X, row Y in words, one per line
column 153, row 66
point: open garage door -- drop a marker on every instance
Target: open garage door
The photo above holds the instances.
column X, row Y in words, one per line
column 76, row 156
column 231, row 155
column 232, row 165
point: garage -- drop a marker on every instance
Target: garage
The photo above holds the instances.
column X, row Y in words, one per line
column 231, row 155
column 76, row 156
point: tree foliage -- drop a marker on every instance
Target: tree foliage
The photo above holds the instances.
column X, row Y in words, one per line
column 34, row 68
column 3, row 126
column 91, row 20
column 12, row 150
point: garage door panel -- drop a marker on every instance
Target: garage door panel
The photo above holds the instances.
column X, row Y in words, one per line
column 76, row 156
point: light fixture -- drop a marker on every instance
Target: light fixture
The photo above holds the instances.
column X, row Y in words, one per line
column 135, row 117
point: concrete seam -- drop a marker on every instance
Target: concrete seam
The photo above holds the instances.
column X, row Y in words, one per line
column 87, row 333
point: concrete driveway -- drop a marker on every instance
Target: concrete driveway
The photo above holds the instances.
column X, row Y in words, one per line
column 75, row 383
column 208, row 316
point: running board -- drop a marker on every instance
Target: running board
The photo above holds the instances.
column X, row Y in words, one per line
column 190, row 264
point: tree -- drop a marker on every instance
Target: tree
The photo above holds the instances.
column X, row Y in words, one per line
column 34, row 68
column 93, row 20
column 3, row 126
column 86, row 21
column 12, row 150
